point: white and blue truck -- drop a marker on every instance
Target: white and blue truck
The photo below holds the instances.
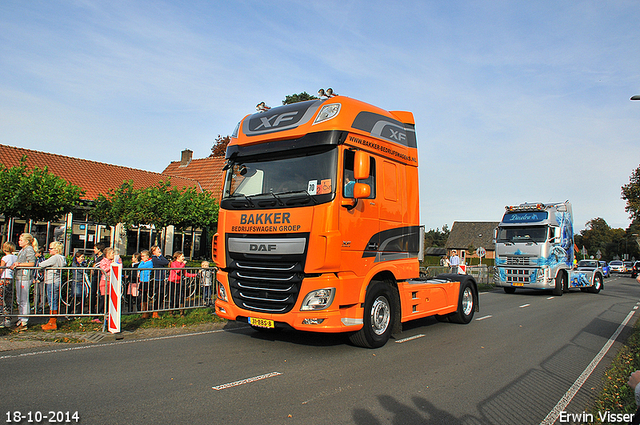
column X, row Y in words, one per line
column 535, row 250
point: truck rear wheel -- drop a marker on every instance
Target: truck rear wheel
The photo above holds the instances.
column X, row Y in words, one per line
column 597, row 284
column 509, row 289
column 379, row 317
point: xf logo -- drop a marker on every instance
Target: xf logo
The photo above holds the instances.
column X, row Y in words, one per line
column 400, row 137
column 276, row 120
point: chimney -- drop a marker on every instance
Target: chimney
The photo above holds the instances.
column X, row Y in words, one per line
column 186, row 157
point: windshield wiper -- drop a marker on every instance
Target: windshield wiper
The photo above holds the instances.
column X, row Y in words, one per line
column 302, row 192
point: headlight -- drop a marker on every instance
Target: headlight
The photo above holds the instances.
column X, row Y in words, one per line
column 222, row 293
column 327, row 112
column 318, row 299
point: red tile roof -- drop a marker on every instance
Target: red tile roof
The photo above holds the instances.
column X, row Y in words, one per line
column 93, row 177
column 207, row 171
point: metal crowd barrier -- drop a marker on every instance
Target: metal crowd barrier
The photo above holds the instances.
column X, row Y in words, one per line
column 483, row 274
column 143, row 291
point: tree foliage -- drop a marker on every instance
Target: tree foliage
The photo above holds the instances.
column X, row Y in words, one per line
column 631, row 194
column 437, row 238
column 612, row 243
column 35, row 194
column 300, row 97
column 161, row 205
column 220, row 146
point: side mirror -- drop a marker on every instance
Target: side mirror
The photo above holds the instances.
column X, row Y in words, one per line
column 361, row 190
column 361, row 166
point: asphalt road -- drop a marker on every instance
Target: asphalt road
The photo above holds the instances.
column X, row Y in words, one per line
column 511, row 365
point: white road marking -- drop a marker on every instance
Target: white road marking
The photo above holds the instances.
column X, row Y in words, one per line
column 400, row 341
column 525, row 305
column 484, row 317
column 246, row 381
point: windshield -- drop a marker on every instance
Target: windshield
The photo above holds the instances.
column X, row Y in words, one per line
column 280, row 178
column 588, row 263
column 522, row 234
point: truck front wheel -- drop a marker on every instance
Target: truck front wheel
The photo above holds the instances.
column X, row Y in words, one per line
column 379, row 317
column 560, row 284
column 466, row 304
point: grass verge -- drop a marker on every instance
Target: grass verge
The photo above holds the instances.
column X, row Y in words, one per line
column 616, row 396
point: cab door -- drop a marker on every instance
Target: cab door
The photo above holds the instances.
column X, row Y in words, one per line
column 359, row 217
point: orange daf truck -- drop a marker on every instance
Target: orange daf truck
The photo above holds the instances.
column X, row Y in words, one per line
column 318, row 228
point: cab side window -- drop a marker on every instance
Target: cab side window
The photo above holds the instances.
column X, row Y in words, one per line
column 349, row 181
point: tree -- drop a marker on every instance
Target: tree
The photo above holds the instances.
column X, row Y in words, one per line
column 300, row 97
column 631, row 194
column 436, row 237
column 161, row 205
column 35, row 194
column 597, row 236
column 220, row 146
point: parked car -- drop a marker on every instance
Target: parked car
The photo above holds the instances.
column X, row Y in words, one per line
column 628, row 265
column 605, row 268
column 635, row 268
column 616, row 266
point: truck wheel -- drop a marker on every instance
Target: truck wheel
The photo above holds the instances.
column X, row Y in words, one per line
column 560, row 284
column 509, row 290
column 597, row 284
column 379, row 316
column 466, row 304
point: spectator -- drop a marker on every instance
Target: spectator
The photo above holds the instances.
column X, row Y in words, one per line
column 133, row 289
column 176, row 283
column 78, row 281
column 159, row 279
column 454, row 261
column 206, row 278
column 6, row 277
column 26, row 258
column 52, row 281
column 105, row 265
column 39, row 296
column 98, row 255
column 144, row 276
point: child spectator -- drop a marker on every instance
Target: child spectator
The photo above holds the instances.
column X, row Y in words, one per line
column 176, row 284
column 206, row 279
column 133, row 289
column 6, row 278
column 38, row 281
column 105, row 265
column 78, row 282
column 144, row 276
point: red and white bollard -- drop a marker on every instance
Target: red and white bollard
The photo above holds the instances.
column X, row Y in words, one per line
column 115, row 297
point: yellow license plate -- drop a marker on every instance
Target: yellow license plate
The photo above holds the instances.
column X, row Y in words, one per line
column 261, row 323
column 518, row 284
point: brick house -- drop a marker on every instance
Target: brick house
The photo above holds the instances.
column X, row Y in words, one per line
column 471, row 234
column 77, row 232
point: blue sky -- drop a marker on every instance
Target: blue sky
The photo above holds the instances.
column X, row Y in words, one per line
column 514, row 101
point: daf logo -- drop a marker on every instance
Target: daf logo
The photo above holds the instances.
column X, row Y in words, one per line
column 275, row 120
column 262, row 247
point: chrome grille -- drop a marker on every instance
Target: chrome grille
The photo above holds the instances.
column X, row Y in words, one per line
column 270, row 287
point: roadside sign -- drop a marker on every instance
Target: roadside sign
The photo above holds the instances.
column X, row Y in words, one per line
column 481, row 252
column 599, row 254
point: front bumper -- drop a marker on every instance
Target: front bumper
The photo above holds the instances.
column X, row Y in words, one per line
column 335, row 318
